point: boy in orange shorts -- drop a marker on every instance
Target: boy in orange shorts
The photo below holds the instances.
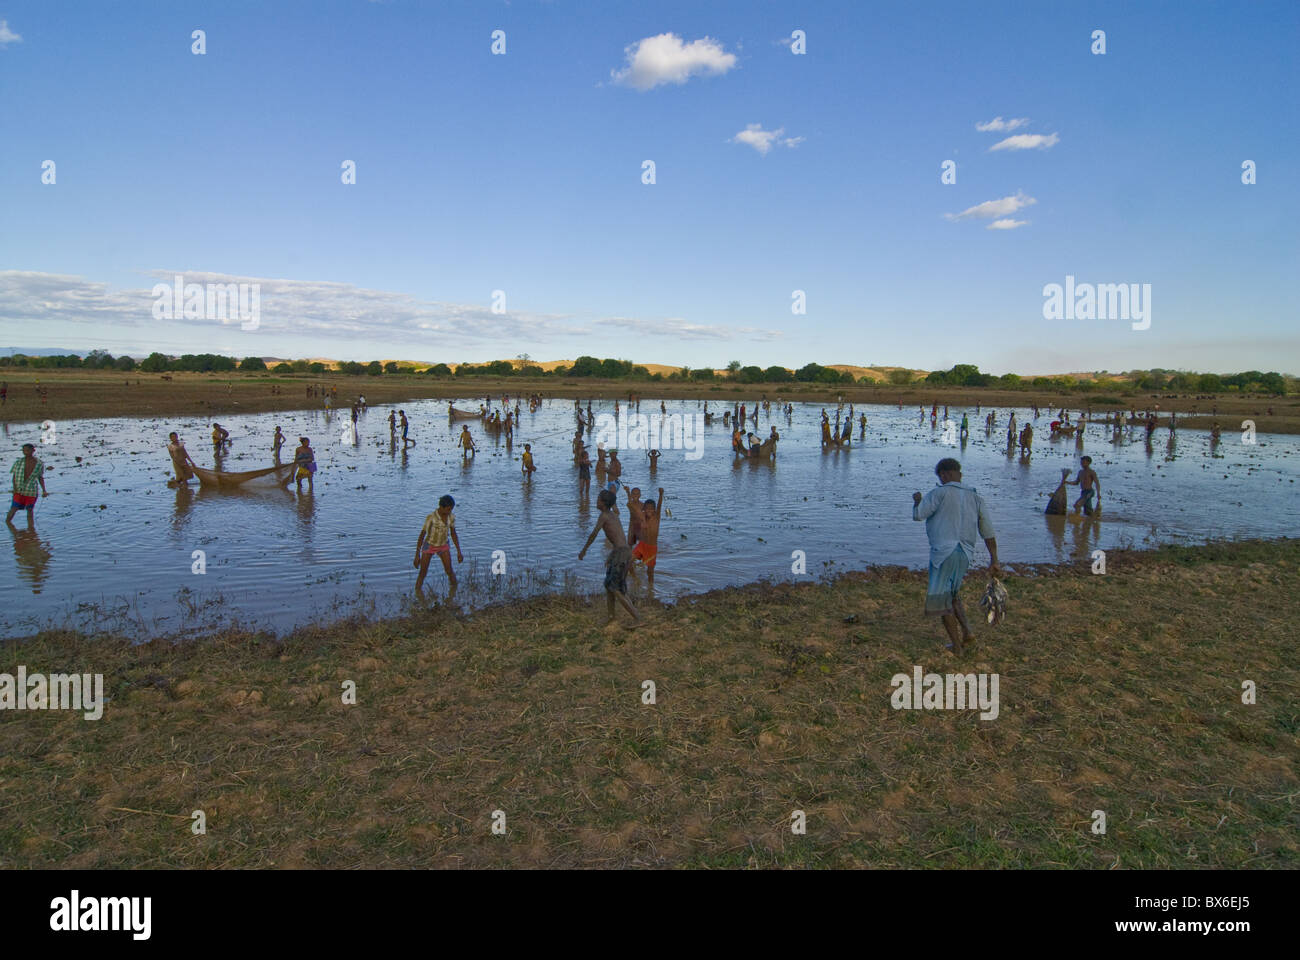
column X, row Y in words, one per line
column 647, row 547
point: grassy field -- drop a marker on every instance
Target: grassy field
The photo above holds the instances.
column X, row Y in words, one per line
column 1119, row 693
column 72, row 394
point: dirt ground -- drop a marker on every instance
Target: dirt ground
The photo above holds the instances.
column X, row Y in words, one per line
column 74, row 394
column 1162, row 693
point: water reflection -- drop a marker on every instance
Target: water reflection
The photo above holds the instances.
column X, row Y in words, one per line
column 32, row 555
column 278, row 555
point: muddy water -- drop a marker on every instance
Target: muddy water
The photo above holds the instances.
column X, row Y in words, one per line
column 114, row 546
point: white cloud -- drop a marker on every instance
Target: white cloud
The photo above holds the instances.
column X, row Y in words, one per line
column 1027, row 141
column 320, row 309
column 1006, row 224
column 994, row 208
column 7, row 36
column 763, row 140
column 666, row 59
column 998, row 125
column 685, row 330
column 295, row 307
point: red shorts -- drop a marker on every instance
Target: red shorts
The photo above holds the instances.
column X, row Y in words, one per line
column 648, row 553
column 22, row 502
column 430, row 551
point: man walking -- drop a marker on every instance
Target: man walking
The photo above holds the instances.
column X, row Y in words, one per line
column 27, row 473
column 954, row 515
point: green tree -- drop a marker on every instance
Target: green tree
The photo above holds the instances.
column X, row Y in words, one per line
column 374, row 368
column 155, row 363
column 900, row 377
column 614, row 369
column 585, row 367
column 750, row 374
column 124, row 363
column 282, row 367
column 962, row 374
column 391, row 367
column 252, row 363
column 777, row 374
column 316, row 368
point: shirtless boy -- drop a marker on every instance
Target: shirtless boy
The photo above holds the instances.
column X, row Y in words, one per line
column 647, row 548
column 633, row 515
column 584, row 473
column 1089, row 486
column 613, row 471
column 619, row 558
column 181, row 458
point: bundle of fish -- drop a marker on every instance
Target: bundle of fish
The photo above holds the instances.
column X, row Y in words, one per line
column 994, row 601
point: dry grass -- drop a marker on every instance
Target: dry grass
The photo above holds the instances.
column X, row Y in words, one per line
column 1118, row 692
column 72, row 394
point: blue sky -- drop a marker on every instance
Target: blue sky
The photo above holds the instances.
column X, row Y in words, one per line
column 522, row 172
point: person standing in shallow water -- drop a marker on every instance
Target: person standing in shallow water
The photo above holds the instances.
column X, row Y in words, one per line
column 619, row 558
column 181, row 459
column 28, row 471
column 954, row 515
column 1089, row 486
column 304, row 459
column 439, row 526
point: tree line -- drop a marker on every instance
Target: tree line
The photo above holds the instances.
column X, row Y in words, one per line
column 960, row 375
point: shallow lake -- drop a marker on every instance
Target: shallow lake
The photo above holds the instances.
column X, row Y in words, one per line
column 113, row 545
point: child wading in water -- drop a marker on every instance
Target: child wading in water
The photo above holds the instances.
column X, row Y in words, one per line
column 528, row 467
column 647, row 547
column 619, row 557
column 584, row 473
column 438, row 526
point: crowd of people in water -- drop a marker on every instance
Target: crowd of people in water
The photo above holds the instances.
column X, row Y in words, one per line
column 954, row 513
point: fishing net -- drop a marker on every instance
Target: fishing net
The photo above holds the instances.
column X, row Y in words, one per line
column 266, row 476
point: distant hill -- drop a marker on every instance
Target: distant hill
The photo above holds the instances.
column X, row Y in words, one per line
column 41, row 351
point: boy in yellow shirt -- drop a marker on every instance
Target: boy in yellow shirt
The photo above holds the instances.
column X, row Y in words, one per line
column 438, row 527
